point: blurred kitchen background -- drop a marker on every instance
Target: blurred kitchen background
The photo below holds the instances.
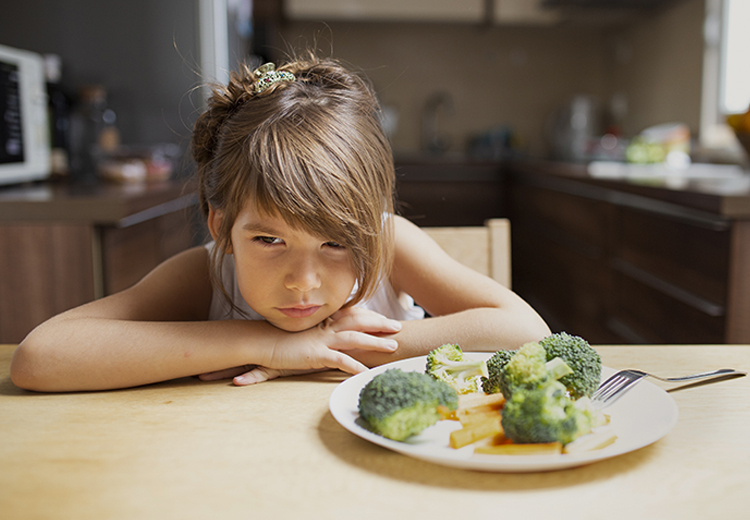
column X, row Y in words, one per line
column 495, row 108
column 502, row 65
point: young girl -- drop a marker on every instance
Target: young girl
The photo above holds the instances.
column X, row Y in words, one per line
column 309, row 268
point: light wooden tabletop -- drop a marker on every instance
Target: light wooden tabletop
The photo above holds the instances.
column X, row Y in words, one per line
column 188, row 449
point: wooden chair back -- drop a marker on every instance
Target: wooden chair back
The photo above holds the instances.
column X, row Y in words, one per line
column 483, row 248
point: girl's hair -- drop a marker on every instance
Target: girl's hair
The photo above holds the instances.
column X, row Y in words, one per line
column 310, row 151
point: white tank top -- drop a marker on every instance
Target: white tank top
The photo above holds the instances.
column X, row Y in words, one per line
column 384, row 301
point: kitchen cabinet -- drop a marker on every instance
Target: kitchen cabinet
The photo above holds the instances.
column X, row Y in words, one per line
column 624, row 263
column 65, row 245
column 386, row 10
column 501, row 12
column 523, row 12
column 438, row 191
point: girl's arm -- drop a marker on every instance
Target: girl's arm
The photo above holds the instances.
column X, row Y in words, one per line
column 468, row 308
column 156, row 331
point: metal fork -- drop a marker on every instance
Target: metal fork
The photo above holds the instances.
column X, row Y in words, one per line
column 620, row 382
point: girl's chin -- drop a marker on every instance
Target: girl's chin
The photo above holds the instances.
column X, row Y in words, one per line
column 294, row 324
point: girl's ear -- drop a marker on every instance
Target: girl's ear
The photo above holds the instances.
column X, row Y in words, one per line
column 215, row 220
column 215, row 217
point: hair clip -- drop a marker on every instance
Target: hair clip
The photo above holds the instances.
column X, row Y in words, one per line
column 268, row 75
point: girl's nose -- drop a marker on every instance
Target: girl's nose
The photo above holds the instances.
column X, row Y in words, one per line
column 302, row 276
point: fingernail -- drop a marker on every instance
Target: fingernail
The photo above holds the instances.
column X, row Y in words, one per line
column 392, row 344
column 396, row 324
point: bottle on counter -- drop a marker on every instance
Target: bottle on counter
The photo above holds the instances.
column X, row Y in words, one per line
column 94, row 133
column 59, row 108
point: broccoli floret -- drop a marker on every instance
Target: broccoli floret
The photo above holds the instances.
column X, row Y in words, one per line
column 546, row 414
column 450, row 365
column 529, row 368
column 495, row 366
column 584, row 361
column 398, row 404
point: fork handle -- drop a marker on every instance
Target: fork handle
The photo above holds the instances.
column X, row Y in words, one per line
column 702, row 375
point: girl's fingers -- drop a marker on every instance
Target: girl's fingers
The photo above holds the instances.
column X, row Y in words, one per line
column 369, row 324
column 351, row 340
column 363, row 320
column 256, row 375
column 226, row 373
column 346, row 364
column 335, row 361
column 260, row 374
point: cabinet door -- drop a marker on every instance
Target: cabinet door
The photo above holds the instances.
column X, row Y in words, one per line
column 45, row 269
column 671, row 277
column 129, row 253
column 560, row 248
column 449, row 194
column 524, row 12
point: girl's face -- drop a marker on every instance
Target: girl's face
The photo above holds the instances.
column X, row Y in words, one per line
column 293, row 279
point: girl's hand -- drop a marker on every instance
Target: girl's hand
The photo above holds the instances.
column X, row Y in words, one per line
column 260, row 374
column 320, row 348
column 324, row 346
column 250, row 374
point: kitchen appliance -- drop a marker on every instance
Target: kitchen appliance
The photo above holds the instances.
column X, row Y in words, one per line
column 574, row 129
column 24, row 130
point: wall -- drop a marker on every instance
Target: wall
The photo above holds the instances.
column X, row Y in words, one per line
column 143, row 51
column 516, row 76
column 658, row 65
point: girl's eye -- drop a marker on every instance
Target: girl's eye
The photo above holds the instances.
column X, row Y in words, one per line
column 268, row 240
column 334, row 245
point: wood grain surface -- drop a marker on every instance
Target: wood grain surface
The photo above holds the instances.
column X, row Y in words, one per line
column 188, row 449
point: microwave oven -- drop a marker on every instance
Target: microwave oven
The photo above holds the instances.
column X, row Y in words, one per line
column 24, row 129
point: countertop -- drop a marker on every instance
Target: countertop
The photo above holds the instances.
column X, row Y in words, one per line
column 190, row 449
column 98, row 203
column 722, row 191
column 725, row 197
column 720, row 195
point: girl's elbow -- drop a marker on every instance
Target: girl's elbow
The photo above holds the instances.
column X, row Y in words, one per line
column 25, row 367
column 541, row 330
column 531, row 325
column 537, row 328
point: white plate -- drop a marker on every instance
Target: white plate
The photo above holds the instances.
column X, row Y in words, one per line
column 641, row 417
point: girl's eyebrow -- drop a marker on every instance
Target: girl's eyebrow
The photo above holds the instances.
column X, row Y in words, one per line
column 259, row 227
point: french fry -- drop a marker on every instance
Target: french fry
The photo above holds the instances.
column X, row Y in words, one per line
column 467, row 419
column 499, row 439
column 480, row 429
column 447, row 414
column 474, row 403
column 599, row 438
column 548, row 448
column 479, row 400
column 478, row 404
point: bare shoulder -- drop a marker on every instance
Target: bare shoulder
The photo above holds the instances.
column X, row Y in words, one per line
column 409, row 236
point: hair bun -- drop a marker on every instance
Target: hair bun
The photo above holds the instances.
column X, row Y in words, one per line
column 224, row 101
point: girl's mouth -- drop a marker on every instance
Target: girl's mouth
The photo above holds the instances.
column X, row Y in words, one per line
column 299, row 311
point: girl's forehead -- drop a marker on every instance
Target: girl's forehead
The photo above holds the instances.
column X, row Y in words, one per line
column 254, row 218
column 252, row 215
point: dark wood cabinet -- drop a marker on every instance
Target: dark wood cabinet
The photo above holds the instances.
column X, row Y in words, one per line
column 619, row 266
column 62, row 246
column 560, row 249
column 437, row 192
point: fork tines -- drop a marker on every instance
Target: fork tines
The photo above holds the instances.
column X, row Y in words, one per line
column 615, row 386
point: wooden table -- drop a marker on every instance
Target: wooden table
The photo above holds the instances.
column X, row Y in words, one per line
column 187, row 449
